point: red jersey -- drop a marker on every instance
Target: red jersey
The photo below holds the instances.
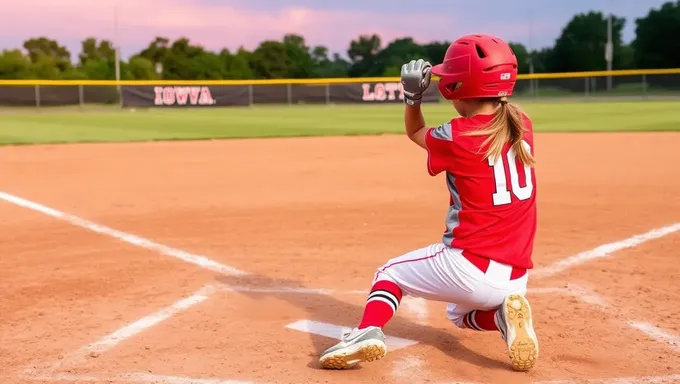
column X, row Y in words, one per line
column 492, row 205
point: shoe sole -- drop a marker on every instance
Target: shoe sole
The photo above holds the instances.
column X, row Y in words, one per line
column 523, row 351
column 366, row 351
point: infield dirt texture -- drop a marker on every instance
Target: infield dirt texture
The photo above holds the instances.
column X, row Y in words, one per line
column 221, row 261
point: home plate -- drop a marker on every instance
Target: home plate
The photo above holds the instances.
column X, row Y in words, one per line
column 336, row 332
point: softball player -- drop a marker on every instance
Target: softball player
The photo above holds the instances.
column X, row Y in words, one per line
column 481, row 265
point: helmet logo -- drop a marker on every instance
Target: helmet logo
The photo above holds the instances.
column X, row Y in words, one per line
column 502, row 93
column 505, row 76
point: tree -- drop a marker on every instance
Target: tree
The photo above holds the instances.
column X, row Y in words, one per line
column 270, row 60
column 15, row 65
column 99, row 69
column 236, row 65
column 326, row 67
column 581, row 46
column 626, row 57
column 540, row 59
column 97, row 60
column 157, row 52
column 141, row 68
column 435, row 51
column 187, row 61
column 46, row 67
column 183, row 60
column 388, row 61
column 93, row 51
column 319, row 54
column 302, row 63
column 363, row 54
column 522, row 55
column 42, row 50
column 656, row 44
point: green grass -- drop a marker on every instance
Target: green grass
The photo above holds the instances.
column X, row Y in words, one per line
column 61, row 125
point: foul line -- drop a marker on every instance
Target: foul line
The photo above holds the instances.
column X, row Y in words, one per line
column 336, row 332
column 604, row 251
column 657, row 334
column 111, row 340
column 207, row 263
column 417, row 306
column 132, row 329
column 153, row 378
column 669, row 379
column 131, row 378
column 115, row 338
column 139, row 241
column 660, row 335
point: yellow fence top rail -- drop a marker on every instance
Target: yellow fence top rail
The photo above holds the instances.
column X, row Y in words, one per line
column 350, row 80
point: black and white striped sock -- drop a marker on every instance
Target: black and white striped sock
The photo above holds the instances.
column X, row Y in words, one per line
column 382, row 303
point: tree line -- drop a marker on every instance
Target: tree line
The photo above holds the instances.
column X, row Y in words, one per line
column 579, row 47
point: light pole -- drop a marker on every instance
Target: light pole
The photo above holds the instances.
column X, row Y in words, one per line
column 116, row 48
column 531, row 52
column 609, row 51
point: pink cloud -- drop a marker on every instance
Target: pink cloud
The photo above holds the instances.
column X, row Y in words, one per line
column 216, row 26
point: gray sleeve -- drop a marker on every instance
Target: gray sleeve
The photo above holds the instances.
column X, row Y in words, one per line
column 442, row 132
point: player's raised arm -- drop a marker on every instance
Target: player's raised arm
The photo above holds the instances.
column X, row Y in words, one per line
column 415, row 78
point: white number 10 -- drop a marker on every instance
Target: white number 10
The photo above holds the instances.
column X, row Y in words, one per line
column 502, row 194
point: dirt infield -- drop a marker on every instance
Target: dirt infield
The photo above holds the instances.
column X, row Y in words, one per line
column 224, row 261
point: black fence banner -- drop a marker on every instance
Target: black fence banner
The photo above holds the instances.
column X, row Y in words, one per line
column 184, row 96
column 376, row 93
column 168, row 95
column 18, row 96
column 57, row 95
column 180, row 96
column 228, row 95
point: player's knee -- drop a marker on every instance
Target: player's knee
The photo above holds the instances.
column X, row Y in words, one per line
column 455, row 316
column 381, row 275
column 457, row 320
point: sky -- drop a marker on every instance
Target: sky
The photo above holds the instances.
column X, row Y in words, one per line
column 217, row 24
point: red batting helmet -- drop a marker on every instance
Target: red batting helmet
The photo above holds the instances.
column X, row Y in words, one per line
column 477, row 66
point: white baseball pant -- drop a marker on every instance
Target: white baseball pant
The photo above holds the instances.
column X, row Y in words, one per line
column 441, row 273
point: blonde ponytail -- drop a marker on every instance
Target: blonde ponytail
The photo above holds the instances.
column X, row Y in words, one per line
column 506, row 126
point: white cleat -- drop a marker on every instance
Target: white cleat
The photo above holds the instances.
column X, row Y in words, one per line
column 517, row 329
column 357, row 346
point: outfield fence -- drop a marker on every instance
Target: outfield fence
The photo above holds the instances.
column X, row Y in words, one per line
column 640, row 84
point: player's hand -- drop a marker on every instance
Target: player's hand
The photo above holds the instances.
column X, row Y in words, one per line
column 415, row 78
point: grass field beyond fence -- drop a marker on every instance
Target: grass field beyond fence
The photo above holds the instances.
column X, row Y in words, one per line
column 61, row 125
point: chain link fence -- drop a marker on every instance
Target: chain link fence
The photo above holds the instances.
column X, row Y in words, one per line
column 639, row 86
column 642, row 86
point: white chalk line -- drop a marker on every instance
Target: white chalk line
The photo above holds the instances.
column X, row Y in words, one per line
column 416, row 306
column 148, row 378
column 207, row 263
column 336, row 331
column 618, row 380
column 657, row 334
column 119, row 336
column 132, row 329
column 588, row 296
column 199, row 260
column 408, row 367
column 604, row 251
column 131, row 378
column 660, row 335
column 204, row 262
column 166, row 379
